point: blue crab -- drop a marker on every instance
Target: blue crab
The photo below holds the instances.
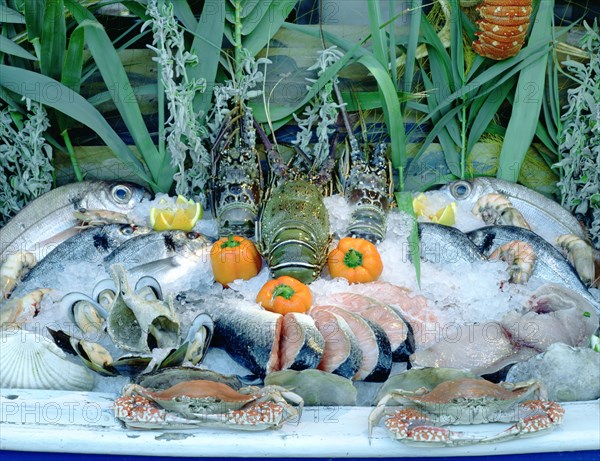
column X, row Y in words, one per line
column 202, row 403
column 423, row 413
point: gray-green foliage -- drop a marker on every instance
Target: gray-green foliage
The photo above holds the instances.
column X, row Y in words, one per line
column 184, row 131
column 320, row 114
column 233, row 92
column 25, row 160
column 580, row 136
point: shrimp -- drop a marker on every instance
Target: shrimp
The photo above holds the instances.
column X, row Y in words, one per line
column 520, row 258
column 16, row 266
column 497, row 209
column 582, row 256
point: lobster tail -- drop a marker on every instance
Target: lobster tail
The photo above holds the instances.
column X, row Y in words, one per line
column 503, row 27
column 294, row 231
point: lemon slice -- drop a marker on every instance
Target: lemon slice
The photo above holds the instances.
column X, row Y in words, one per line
column 183, row 217
column 446, row 215
column 420, row 204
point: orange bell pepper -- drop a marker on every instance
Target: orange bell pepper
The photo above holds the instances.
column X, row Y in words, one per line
column 234, row 257
column 285, row 294
column 355, row 259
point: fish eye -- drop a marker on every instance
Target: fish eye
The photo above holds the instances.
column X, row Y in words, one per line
column 127, row 230
column 192, row 235
column 121, row 194
column 461, row 189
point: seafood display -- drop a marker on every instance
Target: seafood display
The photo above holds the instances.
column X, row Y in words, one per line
column 249, row 334
column 486, row 350
column 302, row 345
column 398, row 331
column 545, row 217
column 135, row 323
column 502, row 28
column 424, row 413
column 584, row 258
column 550, row 265
column 520, row 258
column 202, row 403
column 189, row 322
column 49, row 220
column 294, row 231
column 444, row 244
column 90, row 247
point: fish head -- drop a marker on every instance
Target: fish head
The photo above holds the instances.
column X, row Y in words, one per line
column 115, row 196
column 120, row 233
column 468, row 192
column 190, row 243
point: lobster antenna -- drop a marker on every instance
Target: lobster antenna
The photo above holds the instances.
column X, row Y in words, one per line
column 355, row 151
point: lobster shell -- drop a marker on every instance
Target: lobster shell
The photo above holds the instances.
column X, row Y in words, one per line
column 503, row 28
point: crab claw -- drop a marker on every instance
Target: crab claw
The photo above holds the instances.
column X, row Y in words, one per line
column 540, row 415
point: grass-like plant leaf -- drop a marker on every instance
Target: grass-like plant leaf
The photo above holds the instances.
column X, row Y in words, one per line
column 10, row 16
column 34, row 18
column 9, row 47
column 270, row 23
column 404, row 201
column 485, row 112
column 526, row 109
column 116, row 80
column 54, row 39
column 72, row 104
column 207, row 40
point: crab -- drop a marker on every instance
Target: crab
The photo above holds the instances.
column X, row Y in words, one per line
column 201, row 403
column 424, row 412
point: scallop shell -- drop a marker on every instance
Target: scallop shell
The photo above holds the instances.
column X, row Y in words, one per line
column 31, row 361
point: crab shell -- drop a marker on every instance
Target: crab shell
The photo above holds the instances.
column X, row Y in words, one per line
column 195, row 398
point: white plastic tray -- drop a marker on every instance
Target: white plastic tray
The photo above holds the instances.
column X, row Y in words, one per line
column 75, row 422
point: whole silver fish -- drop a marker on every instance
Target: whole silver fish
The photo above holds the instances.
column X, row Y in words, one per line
column 444, row 244
column 167, row 256
column 550, row 265
column 544, row 216
column 48, row 220
column 89, row 246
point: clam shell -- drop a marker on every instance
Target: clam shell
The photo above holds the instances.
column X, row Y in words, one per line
column 31, row 361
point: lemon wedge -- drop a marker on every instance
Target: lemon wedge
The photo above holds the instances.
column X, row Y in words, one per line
column 183, row 216
column 420, row 204
column 446, row 215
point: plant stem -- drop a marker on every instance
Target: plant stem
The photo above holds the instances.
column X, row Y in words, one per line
column 74, row 162
column 160, row 90
column 463, row 140
column 161, row 113
column 238, row 41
